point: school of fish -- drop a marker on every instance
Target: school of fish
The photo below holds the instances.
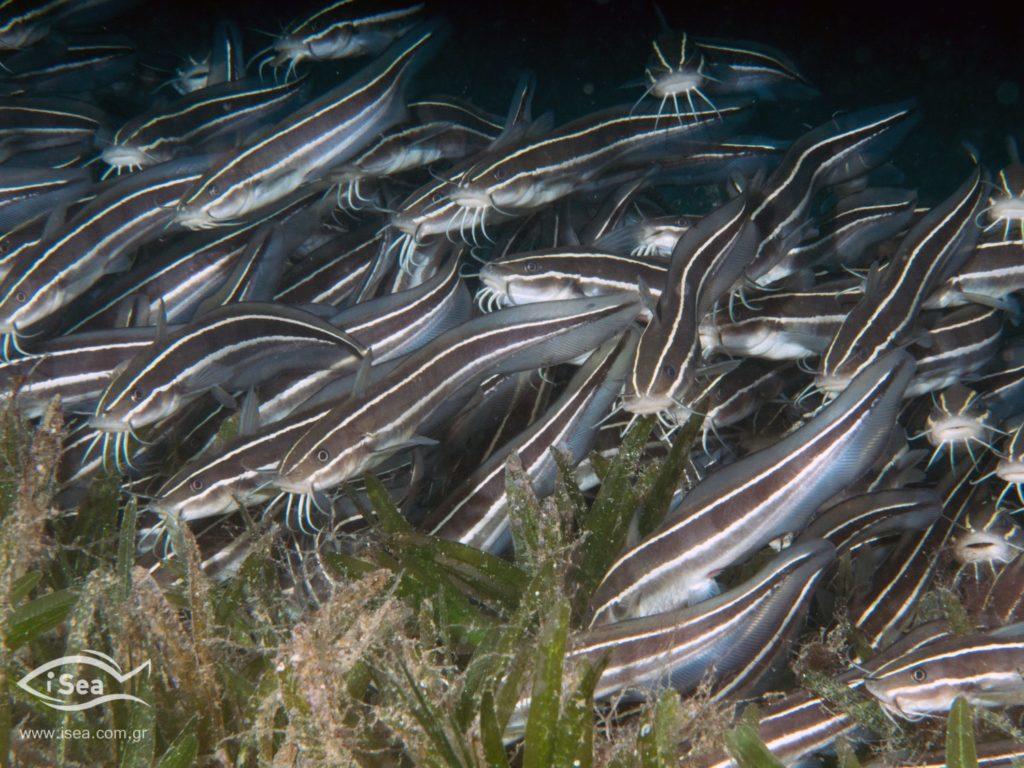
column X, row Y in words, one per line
column 255, row 285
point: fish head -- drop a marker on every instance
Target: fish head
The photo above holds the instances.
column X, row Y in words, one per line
column 988, row 535
column 193, row 76
column 28, row 297
column 919, row 687
column 337, row 42
column 203, row 489
column 527, row 280
column 662, row 367
column 902, row 694
column 326, row 455
column 16, row 36
column 134, row 399
column 428, row 211
column 128, row 156
column 213, row 203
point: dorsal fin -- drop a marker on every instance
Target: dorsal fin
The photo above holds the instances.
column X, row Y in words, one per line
column 249, row 416
column 54, row 222
column 160, row 321
column 362, row 375
column 519, row 118
column 647, row 297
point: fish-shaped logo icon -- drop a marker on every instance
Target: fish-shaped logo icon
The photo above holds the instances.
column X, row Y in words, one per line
column 70, row 683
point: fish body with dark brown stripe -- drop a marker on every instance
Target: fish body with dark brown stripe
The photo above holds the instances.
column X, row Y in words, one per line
column 301, row 147
column 743, row 506
column 983, row 668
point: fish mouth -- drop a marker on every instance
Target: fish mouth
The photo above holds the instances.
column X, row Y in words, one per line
column 121, row 156
column 494, row 280
column 983, row 547
column 109, row 424
column 644, row 405
column 677, row 82
column 833, row 383
column 194, row 218
column 1010, row 471
column 956, row 429
column 470, row 197
column 283, row 482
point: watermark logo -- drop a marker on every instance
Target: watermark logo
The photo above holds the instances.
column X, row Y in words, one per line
column 91, row 678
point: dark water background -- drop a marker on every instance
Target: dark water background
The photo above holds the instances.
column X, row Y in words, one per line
column 963, row 62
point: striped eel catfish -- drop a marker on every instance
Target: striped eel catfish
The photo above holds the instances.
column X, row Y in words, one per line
column 74, row 67
column 234, row 346
column 803, row 723
column 389, row 327
column 934, row 248
column 880, row 613
column 344, row 29
column 993, row 272
column 476, row 512
column 512, row 182
column 838, row 151
column 565, row 273
column 95, row 241
column 731, row 395
column 649, row 237
column 740, row 65
column 77, row 367
column 958, row 418
column 730, row 639
column 24, row 22
column 39, row 123
column 18, row 240
column 991, row 754
column 439, row 130
column 509, row 182
column 857, row 520
column 706, row 261
column 858, row 223
column 387, row 416
column 174, row 284
column 156, row 136
column 1004, row 603
column 1006, row 207
column 503, row 407
column 302, row 146
column 1010, row 467
column 733, row 67
column 780, row 325
column 984, row 668
column 224, row 63
column 953, row 346
column 332, row 272
column 740, row 508
column 989, row 535
column 240, row 473
column 1003, row 386
column 989, row 541
column 28, row 192
column 175, row 281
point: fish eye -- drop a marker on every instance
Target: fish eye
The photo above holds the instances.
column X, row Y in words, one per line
column 669, row 369
column 135, row 395
column 323, row 455
column 919, row 674
column 196, row 484
column 531, row 266
column 20, row 297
